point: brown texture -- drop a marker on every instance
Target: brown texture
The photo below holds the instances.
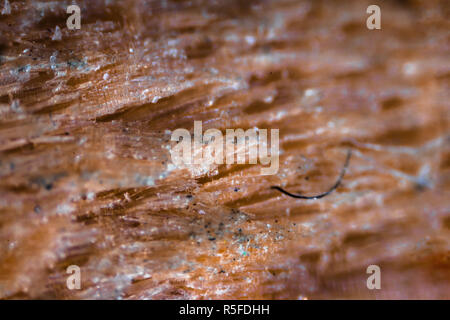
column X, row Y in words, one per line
column 86, row 176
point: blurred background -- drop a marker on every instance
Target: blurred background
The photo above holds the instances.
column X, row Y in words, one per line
column 86, row 176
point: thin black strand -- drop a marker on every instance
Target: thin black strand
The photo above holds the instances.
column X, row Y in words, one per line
column 334, row 187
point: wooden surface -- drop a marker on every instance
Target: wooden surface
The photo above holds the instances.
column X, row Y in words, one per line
column 86, row 177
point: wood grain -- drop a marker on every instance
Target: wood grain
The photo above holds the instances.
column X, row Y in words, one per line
column 86, row 176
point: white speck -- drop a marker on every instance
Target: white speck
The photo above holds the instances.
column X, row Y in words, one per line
column 311, row 92
column 149, row 181
column 57, row 36
column 82, row 141
column 110, row 154
column 53, row 57
column 320, row 130
column 173, row 53
column 409, row 69
column 172, row 42
column 268, row 99
column 308, row 224
column 201, row 212
column 131, row 50
column 106, row 76
column 156, row 99
column 250, row 40
column 6, row 8
column 15, row 106
column 64, row 209
column 221, row 291
column 280, row 115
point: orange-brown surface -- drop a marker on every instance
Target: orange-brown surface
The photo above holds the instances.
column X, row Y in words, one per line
column 86, row 177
